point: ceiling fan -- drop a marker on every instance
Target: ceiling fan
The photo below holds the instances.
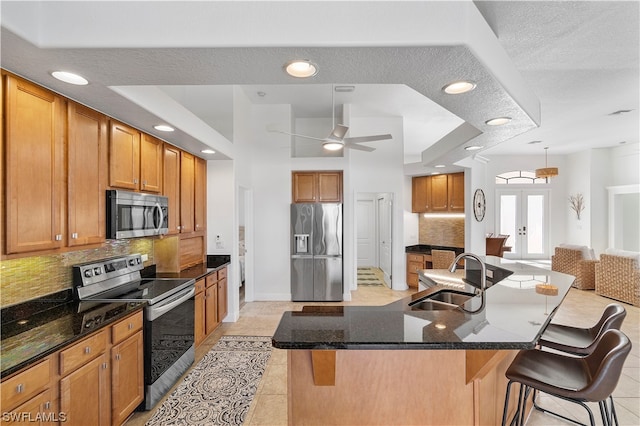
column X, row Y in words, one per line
column 336, row 139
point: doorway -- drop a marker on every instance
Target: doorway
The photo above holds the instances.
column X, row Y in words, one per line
column 374, row 233
column 523, row 214
column 245, row 243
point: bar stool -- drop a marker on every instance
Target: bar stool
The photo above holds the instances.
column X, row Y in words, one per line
column 591, row 378
column 578, row 341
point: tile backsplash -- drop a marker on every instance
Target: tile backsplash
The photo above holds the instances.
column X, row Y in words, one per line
column 445, row 231
column 36, row 276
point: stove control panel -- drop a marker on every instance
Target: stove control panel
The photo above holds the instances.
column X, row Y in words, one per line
column 102, row 271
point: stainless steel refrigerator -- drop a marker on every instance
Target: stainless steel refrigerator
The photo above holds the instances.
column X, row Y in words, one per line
column 316, row 252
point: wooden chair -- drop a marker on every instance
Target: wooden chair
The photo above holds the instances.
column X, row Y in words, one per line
column 442, row 259
column 495, row 246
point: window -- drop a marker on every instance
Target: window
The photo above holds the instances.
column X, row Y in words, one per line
column 519, row 177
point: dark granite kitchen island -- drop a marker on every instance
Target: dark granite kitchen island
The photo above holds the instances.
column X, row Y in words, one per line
column 395, row 364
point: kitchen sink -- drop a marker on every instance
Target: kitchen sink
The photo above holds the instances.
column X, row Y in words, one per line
column 441, row 300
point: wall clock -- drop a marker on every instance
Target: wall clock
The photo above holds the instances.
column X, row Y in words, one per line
column 479, row 205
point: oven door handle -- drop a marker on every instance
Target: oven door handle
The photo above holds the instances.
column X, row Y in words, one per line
column 156, row 311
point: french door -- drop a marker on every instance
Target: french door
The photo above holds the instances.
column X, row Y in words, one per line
column 523, row 214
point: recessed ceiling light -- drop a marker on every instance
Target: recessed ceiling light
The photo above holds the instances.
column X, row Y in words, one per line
column 459, row 87
column 71, row 78
column 344, row 89
column 533, row 142
column 439, row 166
column 435, row 173
column 208, row 151
column 164, row 128
column 473, row 147
column 301, row 68
column 498, row 121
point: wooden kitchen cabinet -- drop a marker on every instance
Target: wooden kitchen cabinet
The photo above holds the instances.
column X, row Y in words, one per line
column 171, row 186
column 87, row 145
column 211, row 303
column 127, row 376
column 39, row 410
column 187, row 192
column 438, row 193
column 29, row 390
column 222, row 294
column 85, row 394
column 35, row 134
column 317, row 187
column 135, row 159
column 199, row 331
column 415, row 262
column 200, row 195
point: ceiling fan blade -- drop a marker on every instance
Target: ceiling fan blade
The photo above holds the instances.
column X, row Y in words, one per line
column 295, row 134
column 360, row 147
column 368, row 138
column 338, row 132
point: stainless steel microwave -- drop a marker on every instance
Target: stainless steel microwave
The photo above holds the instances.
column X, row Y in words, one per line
column 134, row 214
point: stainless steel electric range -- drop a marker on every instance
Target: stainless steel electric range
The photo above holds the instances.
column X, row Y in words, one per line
column 168, row 317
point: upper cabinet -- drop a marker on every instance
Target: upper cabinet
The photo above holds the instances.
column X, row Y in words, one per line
column 200, row 197
column 135, row 159
column 187, row 192
column 171, row 186
column 438, row 193
column 317, row 187
column 35, row 133
column 87, row 142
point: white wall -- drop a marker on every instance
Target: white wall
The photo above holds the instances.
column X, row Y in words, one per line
column 577, row 169
column 220, row 201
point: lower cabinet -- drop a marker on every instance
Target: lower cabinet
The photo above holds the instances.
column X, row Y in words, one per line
column 416, row 262
column 210, row 303
column 96, row 381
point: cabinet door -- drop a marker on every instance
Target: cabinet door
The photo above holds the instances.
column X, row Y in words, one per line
column 200, row 201
column 199, row 328
column 39, row 410
column 85, row 394
column 150, row 164
column 187, row 191
column 456, row 192
column 439, row 193
column 124, row 156
column 329, row 187
column 171, row 186
column 127, row 377
column 211, row 302
column 421, row 194
column 222, row 299
column 35, row 167
column 87, row 171
column 304, row 187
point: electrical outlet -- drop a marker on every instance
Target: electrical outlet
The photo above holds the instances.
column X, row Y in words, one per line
column 144, row 257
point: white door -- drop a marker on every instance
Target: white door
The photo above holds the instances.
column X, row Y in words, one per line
column 365, row 228
column 524, row 216
column 384, row 208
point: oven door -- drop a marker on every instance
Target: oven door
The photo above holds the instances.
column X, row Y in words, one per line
column 169, row 343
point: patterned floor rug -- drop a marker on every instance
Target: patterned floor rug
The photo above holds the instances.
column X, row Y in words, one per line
column 220, row 388
column 366, row 276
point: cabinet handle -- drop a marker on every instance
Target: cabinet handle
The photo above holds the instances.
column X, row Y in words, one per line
column 105, row 365
column 135, row 181
column 144, row 183
column 47, row 405
column 130, row 326
column 74, row 235
column 117, row 357
column 87, row 350
column 178, row 227
column 19, row 388
column 58, row 237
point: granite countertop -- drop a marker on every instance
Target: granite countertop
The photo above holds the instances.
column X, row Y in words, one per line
column 514, row 316
column 426, row 249
column 214, row 263
column 37, row 328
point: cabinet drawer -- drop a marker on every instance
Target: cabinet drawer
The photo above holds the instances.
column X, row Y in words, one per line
column 415, row 258
column 127, row 327
column 222, row 273
column 25, row 385
column 199, row 286
column 82, row 352
column 212, row 278
column 414, row 267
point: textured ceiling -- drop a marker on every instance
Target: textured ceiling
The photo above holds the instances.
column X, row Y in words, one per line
column 180, row 61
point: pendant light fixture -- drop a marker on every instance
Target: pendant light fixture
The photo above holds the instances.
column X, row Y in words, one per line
column 546, row 172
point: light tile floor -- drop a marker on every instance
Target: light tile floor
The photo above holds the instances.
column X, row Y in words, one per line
column 269, row 407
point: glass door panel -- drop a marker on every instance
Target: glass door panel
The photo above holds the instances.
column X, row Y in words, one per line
column 522, row 215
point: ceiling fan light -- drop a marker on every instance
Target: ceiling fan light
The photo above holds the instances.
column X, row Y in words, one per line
column 459, row 87
column 473, row 147
column 301, row 68
column 332, row 145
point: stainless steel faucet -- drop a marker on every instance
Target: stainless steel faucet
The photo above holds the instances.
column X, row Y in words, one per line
column 483, row 276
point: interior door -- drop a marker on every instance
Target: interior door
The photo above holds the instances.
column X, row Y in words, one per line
column 366, row 226
column 524, row 216
column 384, row 209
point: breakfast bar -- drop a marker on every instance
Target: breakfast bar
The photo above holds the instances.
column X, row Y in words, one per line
column 418, row 363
